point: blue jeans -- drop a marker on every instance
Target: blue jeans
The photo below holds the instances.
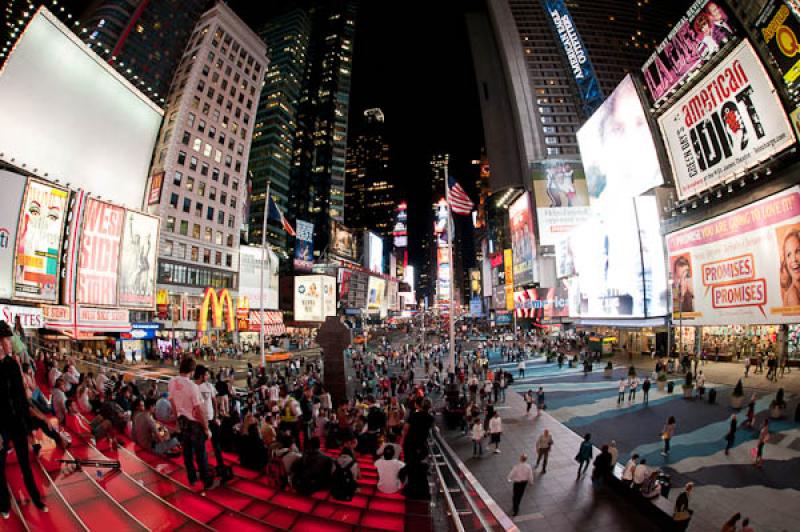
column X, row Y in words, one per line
column 477, row 448
column 193, row 439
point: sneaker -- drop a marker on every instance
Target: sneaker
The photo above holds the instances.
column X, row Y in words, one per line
column 664, row 453
column 5, row 515
column 41, row 506
column 497, row 451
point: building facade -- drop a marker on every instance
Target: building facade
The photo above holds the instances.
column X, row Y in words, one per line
column 197, row 183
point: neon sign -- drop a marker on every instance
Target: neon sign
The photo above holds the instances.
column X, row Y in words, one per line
column 216, row 303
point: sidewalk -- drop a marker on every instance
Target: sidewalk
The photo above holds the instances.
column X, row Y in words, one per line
column 556, row 502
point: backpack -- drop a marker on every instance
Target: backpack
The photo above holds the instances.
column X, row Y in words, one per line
column 343, row 484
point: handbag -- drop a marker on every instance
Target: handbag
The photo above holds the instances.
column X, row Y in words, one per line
column 682, row 515
column 664, row 435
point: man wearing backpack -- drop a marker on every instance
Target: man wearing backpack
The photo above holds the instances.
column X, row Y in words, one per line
column 345, row 475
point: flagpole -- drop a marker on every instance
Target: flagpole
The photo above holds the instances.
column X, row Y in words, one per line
column 264, row 264
column 451, row 357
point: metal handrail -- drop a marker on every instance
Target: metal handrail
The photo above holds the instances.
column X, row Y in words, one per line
column 451, row 505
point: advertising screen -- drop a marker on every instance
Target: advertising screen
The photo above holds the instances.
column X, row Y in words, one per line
column 508, row 267
column 400, row 231
column 304, row 246
column 343, row 242
column 98, row 258
column 314, row 297
column 353, row 287
column 13, row 186
column 542, row 304
column 57, row 97
column 654, row 270
column 251, row 262
column 38, row 242
column 617, row 149
column 695, row 39
column 562, row 200
column 373, row 252
column 729, row 122
column 740, row 268
column 523, row 241
column 376, row 293
column 137, row 273
column 565, row 261
column 778, row 28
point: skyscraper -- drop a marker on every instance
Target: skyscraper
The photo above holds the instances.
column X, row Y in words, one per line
column 287, row 38
column 318, row 165
column 370, row 197
column 199, row 172
column 146, row 39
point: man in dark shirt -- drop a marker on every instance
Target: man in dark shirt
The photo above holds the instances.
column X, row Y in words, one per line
column 14, row 423
column 313, row 471
column 416, row 432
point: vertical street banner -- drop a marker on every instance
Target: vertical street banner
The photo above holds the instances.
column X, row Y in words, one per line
column 38, row 244
column 694, row 40
column 562, row 199
column 99, row 255
column 740, row 268
column 304, row 246
column 137, row 273
column 523, row 241
column 729, row 122
column 508, row 265
column 778, row 27
column 13, row 186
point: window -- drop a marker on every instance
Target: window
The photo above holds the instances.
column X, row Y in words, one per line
column 225, row 178
column 196, row 102
column 180, row 251
column 187, row 205
column 197, row 144
column 207, row 153
column 210, row 214
column 201, row 126
column 191, row 119
column 218, row 258
column 186, row 138
column 220, row 217
column 189, row 183
column 228, row 161
column 201, row 86
column 201, row 188
column 212, row 194
column 218, row 238
column 238, row 166
column 193, row 163
column 184, row 227
column 204, row 168
column 176, row 179
column 233, row 202
column 217, row 156
column 173, row 200
column 223, row 197
column 181, row 158
column 170, row 224
column 230, row 241
column 228, row 260
column 196, row 231
column 206, row 256
column 166, row 250
column 235, row 185
column 198, row 209
column 553, row 151
column 240, row 149
column 195, row 253
column 215, row 174
column 230, row 221
column 221, row 138
column 212, row 132
column 208, row 233
column 206, row 70
column 206, row 108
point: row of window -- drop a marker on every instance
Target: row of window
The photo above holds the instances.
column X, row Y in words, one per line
column 187, row 275
column 180, row 250
column 207, row 235
column 194, row 164
column 174, row 201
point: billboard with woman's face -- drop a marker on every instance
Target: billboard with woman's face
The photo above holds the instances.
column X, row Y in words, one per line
column 740, row 268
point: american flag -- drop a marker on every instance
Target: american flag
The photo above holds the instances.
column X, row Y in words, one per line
column 459, row 201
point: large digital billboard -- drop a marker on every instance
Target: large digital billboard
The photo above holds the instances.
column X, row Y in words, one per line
column 137, row 272
column 376, row 293
column 562, row 199
column 541, row 304
column 373, row 252
column 740, row 268
column 13, row 186
column 617, row 148
column 343, row 242
column 67, row 113
column 730, row 121
column 314, row 297
column 38, row 245
column 251, row 263
column 304, row 246
column 695, row 39
column 98, row 257
column 523, row 240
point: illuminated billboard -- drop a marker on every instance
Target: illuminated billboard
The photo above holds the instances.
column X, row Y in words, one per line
column 694, row 40
column 137, row 272
column 251, row 263
column 376, row 293
column 730, row 121
column 373, row 252
column 314, row 297
column 68, row 114
column 778, row 28
column 38, row 244
column 98, row 258
column 13, row 186
column 343, row 242
column 617, row 148
column 523, row 241
column 562, row 199
column 304, row 246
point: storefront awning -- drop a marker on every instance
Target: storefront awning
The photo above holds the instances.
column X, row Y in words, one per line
column 621, row 323
column 273, row 322
column 82, row 320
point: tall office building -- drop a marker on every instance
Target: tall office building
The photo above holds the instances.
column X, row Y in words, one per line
column 531, row 103
column 199, row 173
column 143, row 40
column 318, row 166
column 370, row 196
column 287, row 38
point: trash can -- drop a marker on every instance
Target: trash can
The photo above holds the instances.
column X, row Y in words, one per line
column 712, row 396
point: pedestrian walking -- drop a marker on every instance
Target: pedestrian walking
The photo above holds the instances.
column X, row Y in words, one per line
column 602, row 467
column 521, row 369
column 667, row 433
column 730, row 437
column 612, row 449
column 750, row 418
column 646, row 390
column 495, row 431
column 584, row 455
column 763, row 438
column 521, row 476
column 747, row 366
column 633, row 384
column 528, row 402
column 543, row 445
column 621, row 395
column 540, row 405
column 700, row 384
column 477, row 438
column 683, row 514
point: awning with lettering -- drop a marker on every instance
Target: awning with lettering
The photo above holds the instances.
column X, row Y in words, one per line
column 74, row 321
column 273, row 322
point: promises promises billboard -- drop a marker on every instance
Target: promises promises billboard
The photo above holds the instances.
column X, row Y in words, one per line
column 98, row 263
column 695, row 39
column 729, row 122
column 137, row 272
column 39, row 242
column 740, row 268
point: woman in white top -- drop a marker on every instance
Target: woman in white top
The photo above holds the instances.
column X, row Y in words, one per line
column 495, row 430
column 477, row 437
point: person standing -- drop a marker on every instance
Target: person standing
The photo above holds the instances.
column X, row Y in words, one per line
column 603, row 467
column 730, row 437
column 210, row 403
column 667, row 433
column 584, row 455
column 683, row 513
column 612, row 449
column 528, row 402
column 15, row 424
column 746, row 366
column 477, row 438
column 495, row 431
column 192, row 420
column 539, row 401
column 700, row 384
column 646, row 390
column 543, row 445
column 521, row 369
column 621, row 396
column 521, row 475
column 633, row 384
